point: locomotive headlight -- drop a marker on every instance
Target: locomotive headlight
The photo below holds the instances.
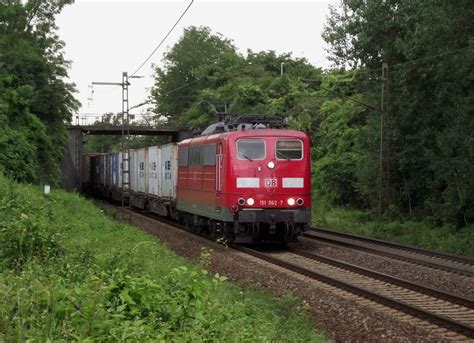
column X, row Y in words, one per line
column 271, row 165
column 241, row 201
column 300, row 201
column 291, row 201
column 250, row 201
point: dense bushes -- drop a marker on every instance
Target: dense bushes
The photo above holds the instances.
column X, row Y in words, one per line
column 26, row 233
column 35, row 101
column 447, row 238
column 429, row 51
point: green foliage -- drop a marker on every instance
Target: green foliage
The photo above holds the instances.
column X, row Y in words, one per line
column 344, row 161
column 217, row 77
column 35, row 101
column 104, row 281
column 24, row 234
column 445, row 238
column 428, row 48
column 185, row 63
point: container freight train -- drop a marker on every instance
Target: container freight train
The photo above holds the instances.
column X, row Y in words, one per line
column 245, row 182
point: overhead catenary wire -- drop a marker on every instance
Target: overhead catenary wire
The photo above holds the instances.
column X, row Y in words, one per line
column 413, row 61
column 431, row 56
column 165, row 95
column 164, row 38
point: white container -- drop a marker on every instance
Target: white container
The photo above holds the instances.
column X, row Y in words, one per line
column 133, row 170
column 115, row 169
column 142, row 170
column 120, row 167
column 169, row 170
column 154, row 178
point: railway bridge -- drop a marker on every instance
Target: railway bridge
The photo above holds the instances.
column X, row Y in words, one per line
column 71, row 161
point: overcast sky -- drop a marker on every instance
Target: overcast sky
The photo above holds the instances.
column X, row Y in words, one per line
column 105, row 38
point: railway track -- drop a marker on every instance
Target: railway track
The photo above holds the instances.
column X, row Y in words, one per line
column 432, row 259
column 449, row 311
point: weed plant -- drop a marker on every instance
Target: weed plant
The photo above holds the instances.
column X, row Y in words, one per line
column 70, row 273
column 444, row 238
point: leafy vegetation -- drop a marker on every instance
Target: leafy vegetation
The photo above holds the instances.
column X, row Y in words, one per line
column 35, row 101
column 70, row 273
column 204, row 74
column 429, row 51
column 446, row 238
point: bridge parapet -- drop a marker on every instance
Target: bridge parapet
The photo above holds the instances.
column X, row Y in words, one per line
column 176, row 132
column 70, row 163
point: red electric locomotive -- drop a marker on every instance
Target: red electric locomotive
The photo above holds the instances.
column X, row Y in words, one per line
column 246, row 181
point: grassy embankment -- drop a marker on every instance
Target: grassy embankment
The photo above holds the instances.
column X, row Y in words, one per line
column 68, row 272
column 445, row 238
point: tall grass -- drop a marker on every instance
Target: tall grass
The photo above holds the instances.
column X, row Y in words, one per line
column 70, row 273
column 444, row 238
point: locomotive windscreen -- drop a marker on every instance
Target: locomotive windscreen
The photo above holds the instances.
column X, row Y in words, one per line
column 250, row 149
column 289, row 149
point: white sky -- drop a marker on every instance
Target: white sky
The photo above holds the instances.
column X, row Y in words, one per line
column 105, row 38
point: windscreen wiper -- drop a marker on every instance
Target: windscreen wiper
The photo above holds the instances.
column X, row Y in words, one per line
column 245, row 156
column 280, row 154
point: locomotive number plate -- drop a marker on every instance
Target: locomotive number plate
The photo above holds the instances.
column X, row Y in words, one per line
column 271, row 202
column 271, row 182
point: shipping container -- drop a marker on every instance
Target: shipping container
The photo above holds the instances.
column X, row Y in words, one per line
column 142, row 170
column 133, row 170
column 169, row 170
column 95, row 170
column 108, row 170
column 115, row 170
column 102, row 170
column 154, row 154
column 120, row 166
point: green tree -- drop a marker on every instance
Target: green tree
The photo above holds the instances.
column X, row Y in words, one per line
column 428, row 45
column 204, row 74
column 183, row 71
column 35, row 100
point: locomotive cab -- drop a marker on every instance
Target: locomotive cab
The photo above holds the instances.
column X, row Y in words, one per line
column 245, row 182
column 268, row 186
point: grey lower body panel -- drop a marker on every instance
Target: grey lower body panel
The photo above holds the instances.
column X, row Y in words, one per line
column 298, row 215
column 302, row 215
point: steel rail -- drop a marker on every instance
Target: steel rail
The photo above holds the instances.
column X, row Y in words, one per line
column 356, row 241
column 417, row 250
column 401, row 306
column 387, row 278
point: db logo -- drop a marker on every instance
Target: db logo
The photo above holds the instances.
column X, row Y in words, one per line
column 271, row 183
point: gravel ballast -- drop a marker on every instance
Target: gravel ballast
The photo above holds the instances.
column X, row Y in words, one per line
column 439, row 279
